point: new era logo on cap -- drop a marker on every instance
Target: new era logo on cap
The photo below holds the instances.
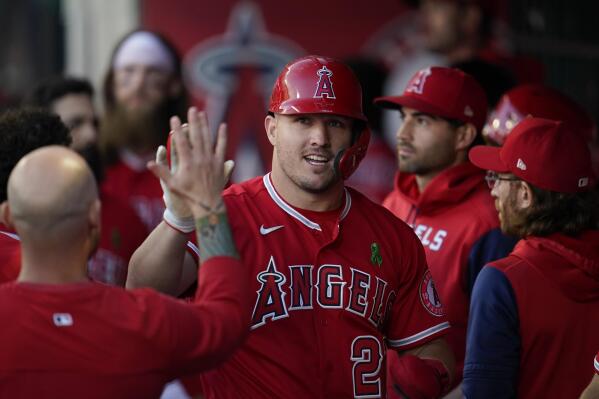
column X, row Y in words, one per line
column 520, row 164
column 62, row 319
column 557, row 159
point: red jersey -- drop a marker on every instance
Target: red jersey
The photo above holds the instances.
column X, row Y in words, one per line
column 328, row 298
column 121, row 234
column 10, row 255
column 457, row 223
column 130, row 180
column 91, row 340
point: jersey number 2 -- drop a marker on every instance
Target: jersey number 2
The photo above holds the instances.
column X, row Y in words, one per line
column 367, row 356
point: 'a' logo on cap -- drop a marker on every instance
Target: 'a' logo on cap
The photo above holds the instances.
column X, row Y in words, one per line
column 583, row 182
column 324, row 87
column 468, row 111
column 520, row 164
column 416, row 85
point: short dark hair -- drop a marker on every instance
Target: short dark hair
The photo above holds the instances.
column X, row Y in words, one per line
column 23, row 130
column 565, row 213
column 48, row 91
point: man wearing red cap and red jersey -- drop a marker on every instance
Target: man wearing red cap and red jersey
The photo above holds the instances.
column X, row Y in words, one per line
column 337, row 278
column 442, row 195
column 533, row 313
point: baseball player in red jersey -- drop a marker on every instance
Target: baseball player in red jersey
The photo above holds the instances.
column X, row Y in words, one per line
column 533, row 313
column 122, row 229
column 142, row 89
column 91, row 340
column 21, row 131
column 442, row 195
column 336, row 278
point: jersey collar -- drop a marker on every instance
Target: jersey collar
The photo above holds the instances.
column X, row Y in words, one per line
column 295, row 214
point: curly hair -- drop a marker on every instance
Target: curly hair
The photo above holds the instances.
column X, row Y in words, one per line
column 565, row 213
column 23, row 130
column 47, row 92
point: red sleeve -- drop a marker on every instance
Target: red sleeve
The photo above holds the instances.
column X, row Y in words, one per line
column 200, row 335
column 417, row 314
column 10, row 257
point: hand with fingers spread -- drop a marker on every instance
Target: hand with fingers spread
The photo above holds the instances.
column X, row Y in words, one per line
column 177, row 214
column 198, row 180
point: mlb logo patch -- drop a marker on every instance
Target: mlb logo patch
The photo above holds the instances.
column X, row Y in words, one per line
column 62, row 319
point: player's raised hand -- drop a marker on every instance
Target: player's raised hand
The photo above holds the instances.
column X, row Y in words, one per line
column 200, row 174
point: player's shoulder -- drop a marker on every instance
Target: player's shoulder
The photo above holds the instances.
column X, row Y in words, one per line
column 378, row 214
column 508, row 264
column 247, row 189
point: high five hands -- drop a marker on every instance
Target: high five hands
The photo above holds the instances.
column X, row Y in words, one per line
column 198, row 173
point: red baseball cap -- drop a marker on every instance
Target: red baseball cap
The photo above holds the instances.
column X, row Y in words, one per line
column 445, row 92
column 541, row 102
column 541, row 152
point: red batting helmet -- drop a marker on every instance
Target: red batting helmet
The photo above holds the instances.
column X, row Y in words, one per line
column 322, row 85
column 541, row 102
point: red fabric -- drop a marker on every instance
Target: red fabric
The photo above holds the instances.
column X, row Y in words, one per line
column 118, row 344
column 139, row 188
column 542, row 152
column 10, row 255
column 122, row 233
column 556, row 286
column 418, row 378
column 541, row 102
column 310, row 338
column 449, row 216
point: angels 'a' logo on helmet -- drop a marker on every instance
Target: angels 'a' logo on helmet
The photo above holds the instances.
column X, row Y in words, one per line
column 324, row 87
column 416, row 85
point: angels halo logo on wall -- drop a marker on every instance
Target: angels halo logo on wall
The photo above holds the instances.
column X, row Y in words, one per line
column 429, row 297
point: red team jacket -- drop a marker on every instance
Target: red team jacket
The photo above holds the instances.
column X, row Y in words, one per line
column 457, row 223
column 325, row 306
column 130, row 180
column 534, row 315
column 90, row 340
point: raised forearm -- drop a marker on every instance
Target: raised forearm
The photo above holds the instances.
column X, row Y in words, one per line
column 158, row 262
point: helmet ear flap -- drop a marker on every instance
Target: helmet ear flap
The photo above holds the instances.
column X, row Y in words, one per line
column 346, row 161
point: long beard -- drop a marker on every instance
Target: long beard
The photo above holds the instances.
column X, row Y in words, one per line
column 139, row 130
